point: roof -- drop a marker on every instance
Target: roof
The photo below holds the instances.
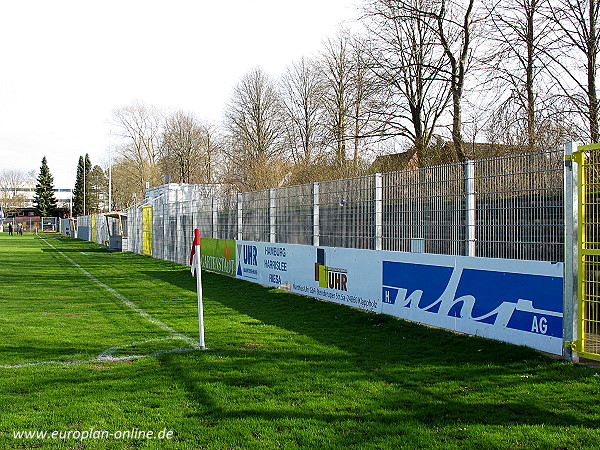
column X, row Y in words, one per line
column 395, row 161
column 443, row 154
column 116, row 215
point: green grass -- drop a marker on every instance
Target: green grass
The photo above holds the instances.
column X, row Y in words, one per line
column 281, row 371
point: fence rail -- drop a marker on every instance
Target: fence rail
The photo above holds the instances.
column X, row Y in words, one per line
column 510, row 207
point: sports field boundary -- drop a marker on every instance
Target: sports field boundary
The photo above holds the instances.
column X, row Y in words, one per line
column 282, row 370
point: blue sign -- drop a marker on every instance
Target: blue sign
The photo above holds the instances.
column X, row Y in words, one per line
column 529, row 303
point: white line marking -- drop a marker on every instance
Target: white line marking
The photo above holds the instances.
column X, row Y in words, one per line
column 107, row 355
column 128, row 302
column 99, row 358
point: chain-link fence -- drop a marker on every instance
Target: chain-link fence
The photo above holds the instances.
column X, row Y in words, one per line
column 509, row 207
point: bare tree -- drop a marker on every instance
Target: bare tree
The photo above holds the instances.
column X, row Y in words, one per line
column 404, row 54
column 519, row 34
column 455, row 22
column 187, row 149
column 302, row 93
column 575, row 57
column 126, row 189
column 12, row 181
column 255, row 133
column 336, row 69
column 367, row 104
column 140, row 126
column 351, row 102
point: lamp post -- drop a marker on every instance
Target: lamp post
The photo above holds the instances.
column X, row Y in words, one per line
column 110, row 171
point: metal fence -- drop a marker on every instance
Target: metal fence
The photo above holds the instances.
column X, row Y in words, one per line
column 509, row 207
column 32, row 224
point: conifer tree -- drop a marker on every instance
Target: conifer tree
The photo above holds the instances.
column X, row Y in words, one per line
column 83, row 188
column 97, row 189
column 43, row 199
column 78, row 190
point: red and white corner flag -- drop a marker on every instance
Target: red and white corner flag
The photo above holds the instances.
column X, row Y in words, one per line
column 194, row 255
column 196, row 268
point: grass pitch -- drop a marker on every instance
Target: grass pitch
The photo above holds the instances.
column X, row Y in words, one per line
column 103, row 342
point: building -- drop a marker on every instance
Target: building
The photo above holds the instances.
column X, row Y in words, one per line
column 18, row 202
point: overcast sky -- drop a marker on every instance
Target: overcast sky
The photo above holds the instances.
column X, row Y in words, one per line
column 65, row 65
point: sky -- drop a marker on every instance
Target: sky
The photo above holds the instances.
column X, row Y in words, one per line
column 66, row 65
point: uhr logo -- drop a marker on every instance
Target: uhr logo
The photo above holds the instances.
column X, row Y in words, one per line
column 248, row 253
column 247, row 257
column 329, row 277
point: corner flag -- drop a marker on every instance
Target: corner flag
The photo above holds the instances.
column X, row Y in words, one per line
column 196, row 267
column 194, row 255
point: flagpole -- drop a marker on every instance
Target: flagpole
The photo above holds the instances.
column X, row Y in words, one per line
column 198, row 269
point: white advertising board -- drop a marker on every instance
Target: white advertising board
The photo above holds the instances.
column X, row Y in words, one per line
column 339, row 275
column 508, row 300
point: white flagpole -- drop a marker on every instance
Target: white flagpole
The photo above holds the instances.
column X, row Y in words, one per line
column 199, row 288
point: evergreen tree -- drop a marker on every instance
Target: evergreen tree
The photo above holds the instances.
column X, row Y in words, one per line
column 97, row 189
column 81, row 192
column 43, row 199
column 78, row 191
column 88, row 184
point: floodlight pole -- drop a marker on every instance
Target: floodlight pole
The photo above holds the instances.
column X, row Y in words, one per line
column 110, row 171
column 84, row 187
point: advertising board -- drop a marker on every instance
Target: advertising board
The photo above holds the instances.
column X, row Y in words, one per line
column 508, row 300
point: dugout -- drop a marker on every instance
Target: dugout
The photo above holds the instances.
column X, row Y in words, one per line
column 116, row 223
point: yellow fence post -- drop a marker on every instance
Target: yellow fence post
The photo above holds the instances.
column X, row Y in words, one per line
column 147, row 230
column 587, row 158
column 94, row 232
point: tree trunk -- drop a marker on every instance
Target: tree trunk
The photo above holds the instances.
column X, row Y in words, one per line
column 529, row 75
column 456, row 124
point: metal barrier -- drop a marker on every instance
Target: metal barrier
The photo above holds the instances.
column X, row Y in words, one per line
column 587, row 259
column 509, row 207
column 34, row 224
column 49, row 224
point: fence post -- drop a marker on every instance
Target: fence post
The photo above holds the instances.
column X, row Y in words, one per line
column 165, row 206
column 571, row 255
column 316, row 214
column 378, row 213
column 178, row 218
column 272, row 217
column 470, row 208
column 215, row 218
column 240, row 231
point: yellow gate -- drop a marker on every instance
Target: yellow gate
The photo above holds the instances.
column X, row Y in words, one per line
column 94, row 229
column 588, row 329
column 147, row 230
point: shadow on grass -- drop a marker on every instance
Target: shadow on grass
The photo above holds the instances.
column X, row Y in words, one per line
column 254, row 394
column 76, row 250
column 429, row 376
column 370, row 335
